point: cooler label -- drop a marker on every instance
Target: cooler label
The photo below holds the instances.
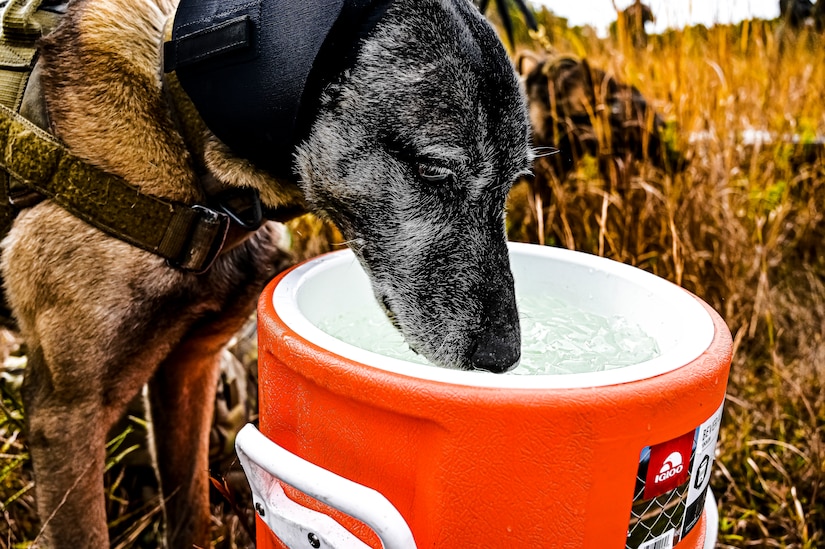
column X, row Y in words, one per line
column 671, row 484
column 706, row 437
column 668, row 465
column 665, row 541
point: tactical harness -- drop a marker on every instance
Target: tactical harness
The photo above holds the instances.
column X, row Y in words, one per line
column 35, row 166
column 248, row 69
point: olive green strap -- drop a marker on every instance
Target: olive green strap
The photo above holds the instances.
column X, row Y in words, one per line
column 190, row 237
column 22, row 25
column 17, row 57
column 19, row 22
column 16, row 63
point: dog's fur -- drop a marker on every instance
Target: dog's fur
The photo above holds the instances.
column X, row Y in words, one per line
column 430, row 94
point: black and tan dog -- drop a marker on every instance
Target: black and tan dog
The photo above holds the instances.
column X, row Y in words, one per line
column 412, row 140
column 581, row 110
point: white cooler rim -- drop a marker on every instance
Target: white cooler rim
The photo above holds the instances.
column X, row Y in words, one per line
column 284, row 300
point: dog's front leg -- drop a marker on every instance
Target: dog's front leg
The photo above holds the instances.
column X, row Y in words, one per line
column 182, row 396
column 182, row 390
column 67, row 434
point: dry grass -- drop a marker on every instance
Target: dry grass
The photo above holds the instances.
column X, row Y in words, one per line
column 742, row 227
column 132, row 501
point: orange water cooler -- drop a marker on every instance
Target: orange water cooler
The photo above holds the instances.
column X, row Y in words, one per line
column 360, row 450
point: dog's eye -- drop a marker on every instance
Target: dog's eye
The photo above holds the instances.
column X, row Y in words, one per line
column 434, row 174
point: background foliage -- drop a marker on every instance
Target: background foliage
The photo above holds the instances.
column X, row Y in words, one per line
column 741, row 226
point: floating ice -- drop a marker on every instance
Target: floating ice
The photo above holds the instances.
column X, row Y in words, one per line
column 557, row 338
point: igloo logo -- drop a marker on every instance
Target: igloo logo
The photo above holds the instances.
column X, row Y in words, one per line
column 668, row 465
column 672, row 466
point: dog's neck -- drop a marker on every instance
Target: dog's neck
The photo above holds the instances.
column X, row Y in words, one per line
column 282, row 198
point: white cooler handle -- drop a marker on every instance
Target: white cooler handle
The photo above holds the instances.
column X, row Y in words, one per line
column 265, row 463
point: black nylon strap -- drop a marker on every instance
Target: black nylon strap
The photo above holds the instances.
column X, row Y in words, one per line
column 254, row 83
column 223, row 38
column 189, row 237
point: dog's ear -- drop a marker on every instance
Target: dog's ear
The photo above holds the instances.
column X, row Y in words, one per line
column 526, row 61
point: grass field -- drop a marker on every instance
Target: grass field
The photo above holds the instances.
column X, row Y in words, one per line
column 742, row 227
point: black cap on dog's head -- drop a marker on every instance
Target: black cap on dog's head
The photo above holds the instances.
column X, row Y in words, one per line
column 250, row 67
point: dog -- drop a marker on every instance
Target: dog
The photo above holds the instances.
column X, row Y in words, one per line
column 798, row 14
column 634, row 18
column 410, row 147
column 581, row 110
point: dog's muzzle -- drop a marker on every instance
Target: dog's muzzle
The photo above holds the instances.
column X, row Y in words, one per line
column 497, row 352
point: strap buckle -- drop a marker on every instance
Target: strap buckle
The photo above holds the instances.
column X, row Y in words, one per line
column 206, row 241
column 242, row 205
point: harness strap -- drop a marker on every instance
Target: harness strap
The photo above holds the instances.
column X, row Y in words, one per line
column 18, row 52
column 189, row 237
column 16, row 63
column 19, row 22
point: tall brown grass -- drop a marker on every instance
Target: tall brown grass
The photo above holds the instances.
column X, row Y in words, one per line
column 742, row 227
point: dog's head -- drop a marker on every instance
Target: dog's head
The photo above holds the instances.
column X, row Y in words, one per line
column 406, row 126
column 411, row 154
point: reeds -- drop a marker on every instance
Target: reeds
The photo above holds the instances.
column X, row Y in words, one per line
column 742, row 227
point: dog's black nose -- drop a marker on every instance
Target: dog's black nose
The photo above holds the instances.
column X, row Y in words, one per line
column 496, row 354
